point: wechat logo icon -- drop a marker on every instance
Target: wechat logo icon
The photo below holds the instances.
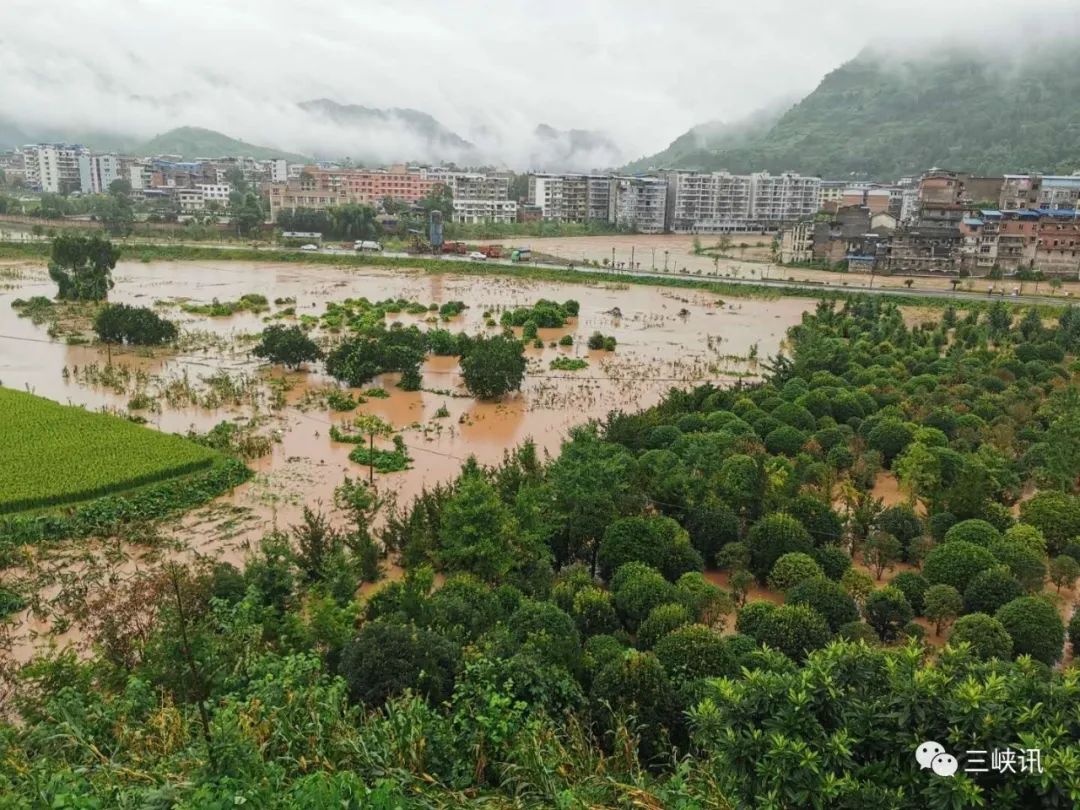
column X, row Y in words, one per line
column 933, row 755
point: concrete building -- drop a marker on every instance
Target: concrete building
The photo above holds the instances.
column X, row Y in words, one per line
column 481, row 197
column 321, row 188
column 715, row 202
column 215, row 193
column 279, row 171
column 571, row 197
column 54, row 168
column 1046, row 191
column 638, row 203
column 97, row 172
column 720, row 202
column 797, row 242
column 830, row 194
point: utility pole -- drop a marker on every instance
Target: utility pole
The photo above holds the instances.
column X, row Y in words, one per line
column 631, row 258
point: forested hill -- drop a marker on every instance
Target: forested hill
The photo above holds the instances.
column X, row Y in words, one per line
column 882, row 117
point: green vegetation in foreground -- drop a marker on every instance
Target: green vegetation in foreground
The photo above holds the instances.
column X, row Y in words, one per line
column 54, row 454
column 150, row 253
column 574, row 655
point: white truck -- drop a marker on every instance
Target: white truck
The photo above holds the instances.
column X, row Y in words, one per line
column 366, row 246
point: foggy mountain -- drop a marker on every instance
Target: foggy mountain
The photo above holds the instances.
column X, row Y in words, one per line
column 366, row 135
column 886, row 114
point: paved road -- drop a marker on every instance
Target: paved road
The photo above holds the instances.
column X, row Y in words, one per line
column 808, row 286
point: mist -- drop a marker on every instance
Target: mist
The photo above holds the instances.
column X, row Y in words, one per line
column 637, row 73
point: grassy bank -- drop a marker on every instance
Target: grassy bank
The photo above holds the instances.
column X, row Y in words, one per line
column 148, row 253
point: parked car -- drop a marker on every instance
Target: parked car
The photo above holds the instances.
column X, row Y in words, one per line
column 477, row 256
column 367, row 245
column 309, row 247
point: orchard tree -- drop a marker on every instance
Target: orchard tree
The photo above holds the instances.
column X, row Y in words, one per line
column 826, row 597
column 943, row 604
column 858, row 584
column 974, row 531
column 772, row 537
column 477, row 531
column 661, row 620
column 388, row 658
column 881, row 551
column 914, row 587
column 791, row 569
column 986, row 635
column 288, row 345
column 794, row 630
column 1025, row 562
column 1063, row 571
column 1056, row 515
column 956, row 564
column 1035, row 627
column 693, row 651
column 594, row 611
column 493, row 366
column 990, row 589
column 82, row 267
column 888, row 611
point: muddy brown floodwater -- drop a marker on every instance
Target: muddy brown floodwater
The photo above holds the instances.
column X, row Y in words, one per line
column 666, row 338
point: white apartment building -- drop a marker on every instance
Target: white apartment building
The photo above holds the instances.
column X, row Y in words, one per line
column 480, row 197
column 97, row 172
column 53, row 167
column 720, row 202
column 215, row 192
column 279, row 171
column 638, row 203
column 779, row 199
column 571, row 197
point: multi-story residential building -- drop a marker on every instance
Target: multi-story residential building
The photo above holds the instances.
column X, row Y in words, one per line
column 481, row 197
column 830, row 194
column 215, row 193
column 720, row 202
column 53, row 167
column 1057, row 250
column 776, row 200
column 319, row 187
column 1021, row 191
column 279, row 171
column 715, row 202
column 97, row 172
column 638, row 203
column 571, row 197
column 190, row 200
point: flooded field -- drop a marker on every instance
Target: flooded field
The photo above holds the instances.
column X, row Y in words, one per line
column 749, row 256
column 665, row 338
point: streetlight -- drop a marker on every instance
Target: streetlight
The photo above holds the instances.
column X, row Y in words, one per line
column 665, row 261
column 654, row 263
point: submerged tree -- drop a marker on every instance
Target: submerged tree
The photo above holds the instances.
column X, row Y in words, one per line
column 82, row 267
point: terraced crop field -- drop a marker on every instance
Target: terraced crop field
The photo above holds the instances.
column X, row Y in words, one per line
column 52, row 454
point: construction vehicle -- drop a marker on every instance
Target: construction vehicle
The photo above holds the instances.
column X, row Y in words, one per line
column 491, row 251
column 520, row 254
column 455, row 247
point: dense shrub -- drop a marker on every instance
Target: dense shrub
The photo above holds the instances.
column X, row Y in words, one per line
column 834, row 560
column 791, row 569
column 956, row 564
column 887, row 611
column 827, row 598
column 694, row 651
column 772, row 537
column 140, row 326
column 386, row 658
column 977, row 532
column 794, row 630
column 990, row 589
column 913, row 586
column 661, row 620
column 986, row 635
column 1035, row 627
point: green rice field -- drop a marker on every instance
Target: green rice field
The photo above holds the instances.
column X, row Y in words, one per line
column 53, row 455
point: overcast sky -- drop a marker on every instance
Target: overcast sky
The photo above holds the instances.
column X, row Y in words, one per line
column 643, row 72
